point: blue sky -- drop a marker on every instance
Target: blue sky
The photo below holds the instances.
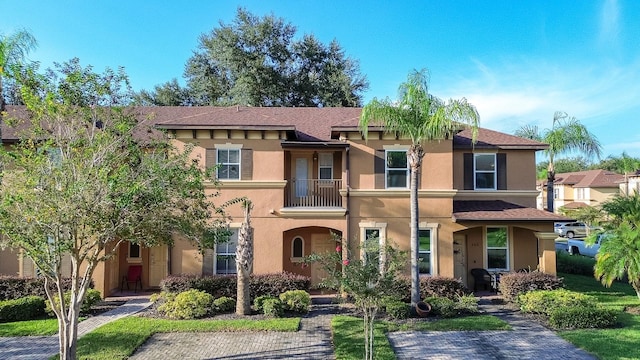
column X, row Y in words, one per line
column 516, row 61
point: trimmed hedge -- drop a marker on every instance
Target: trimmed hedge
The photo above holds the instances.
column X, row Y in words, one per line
column 224, row 304
column 397, row 309
column 91, row 298
column 574, row 264
column 25, row 308
column 514, row 284
column 296, row 300
column 583, row 317
column 273, row 307
column 447, row 308
column 430, row 286
column 225, row 285
column 190, row 304
column 13, row 287
column 547, row 301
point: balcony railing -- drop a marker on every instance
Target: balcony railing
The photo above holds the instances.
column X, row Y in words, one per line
column 313, row 193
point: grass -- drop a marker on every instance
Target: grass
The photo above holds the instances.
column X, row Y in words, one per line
column 607, row 344
column 119, row 339
column 43, row 327
column 348, row 332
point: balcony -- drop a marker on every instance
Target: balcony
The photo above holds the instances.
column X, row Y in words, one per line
column 313, row 193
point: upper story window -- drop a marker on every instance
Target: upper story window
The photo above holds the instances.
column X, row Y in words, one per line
column 580, row 194
column 397, row 169
column 497, row 248
column 556, row 193
column 325, row 166
column 228, row 164
column 485, row 171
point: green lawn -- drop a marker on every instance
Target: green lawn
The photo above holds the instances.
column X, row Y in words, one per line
column 119, row 339
column 348, row 332
column 607, row 344
column 42, row 327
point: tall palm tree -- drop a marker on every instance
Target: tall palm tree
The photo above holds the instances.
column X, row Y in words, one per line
column 13, row 50
column 244, row 260
column 421, row 117
column 567, row 134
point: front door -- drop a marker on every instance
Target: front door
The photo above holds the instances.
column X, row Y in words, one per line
column 320, row 244
column 460, row 258
column 157, row 265
column 302, row 176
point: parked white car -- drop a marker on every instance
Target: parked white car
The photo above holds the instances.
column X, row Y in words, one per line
column 579, row 247
column 575, row 229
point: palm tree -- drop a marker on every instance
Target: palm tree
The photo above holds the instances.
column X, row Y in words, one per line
column 13, row 50
column 422, row 118
column 244, row 260
column 626, row 165
column 566, row 134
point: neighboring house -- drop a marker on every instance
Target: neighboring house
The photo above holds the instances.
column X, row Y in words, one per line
column 582, row 188
column 310, row 173
column 632, row 183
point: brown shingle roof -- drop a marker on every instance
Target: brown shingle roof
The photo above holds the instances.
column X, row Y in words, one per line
column 590, row 179
column 498, row 210
column 494, row 139
column 310, row 124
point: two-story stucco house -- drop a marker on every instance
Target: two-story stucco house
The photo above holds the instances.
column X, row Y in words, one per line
column 310, row 173
column 581, row 188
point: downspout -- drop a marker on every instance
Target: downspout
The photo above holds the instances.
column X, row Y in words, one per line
column 348, row 186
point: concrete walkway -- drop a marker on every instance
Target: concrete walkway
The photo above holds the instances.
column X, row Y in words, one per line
column 44, row 347
column 527, row 340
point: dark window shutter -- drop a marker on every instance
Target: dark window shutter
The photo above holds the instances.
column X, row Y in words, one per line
column 207, row 262
column 247, row 164
column 501, row 160
column 468, row 171
column 210, row 158
column 378, row 169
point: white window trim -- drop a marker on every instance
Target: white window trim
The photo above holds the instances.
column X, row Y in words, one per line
column 433, row 227
column 486, row 249
column 495, row 172
column 297, row 259
column 229, row 146
column 386, row 169
column 233, row 227
column 320, row 166
column 372, row 225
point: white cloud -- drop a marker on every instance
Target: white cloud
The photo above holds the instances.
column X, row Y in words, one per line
column 609, row 22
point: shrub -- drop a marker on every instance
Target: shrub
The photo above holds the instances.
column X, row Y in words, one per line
column 397, row 309
column 190, row 304
column 579, row 265
column 91, row 298
column 580, row 317
column 224, row 304
column 25, row 308
column 296, row 300
column 467, row 304
column 442, row 306
column 439, row 286
column 273, row 307
column 514, row 284
column 13, row 287
column 225, row 285
column 545, row 301
column 259, row 301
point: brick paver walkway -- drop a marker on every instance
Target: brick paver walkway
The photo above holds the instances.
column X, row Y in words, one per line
column 313, row 341
column 44, row 347
column 527, row 340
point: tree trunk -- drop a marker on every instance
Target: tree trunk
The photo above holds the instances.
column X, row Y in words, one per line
column 551, row 177
column 415, row 155
column 244, row 262
column 67, row 314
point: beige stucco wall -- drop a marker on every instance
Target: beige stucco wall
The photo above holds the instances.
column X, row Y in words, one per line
column 9, row 264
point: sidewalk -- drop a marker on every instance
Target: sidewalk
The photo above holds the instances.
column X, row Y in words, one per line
column 44, row 347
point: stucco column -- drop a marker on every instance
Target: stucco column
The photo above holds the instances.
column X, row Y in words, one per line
column 546, row 252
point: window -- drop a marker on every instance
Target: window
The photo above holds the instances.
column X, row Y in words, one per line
column 325, row 166
column 228, row 164
column 485, row 171
column 497, row 248
column 580, row 194
column 371, row 246
column 134, row 254
column 225, row 255
column 297, row 249
column 424, row 251
column 397, row 169
column 556, row 193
